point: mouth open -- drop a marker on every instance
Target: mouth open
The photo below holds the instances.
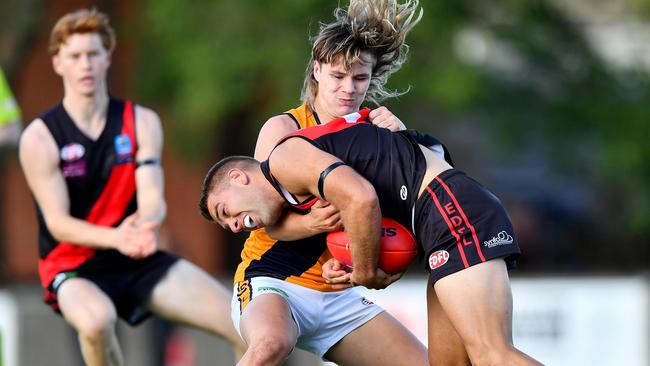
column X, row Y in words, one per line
column 248, row 222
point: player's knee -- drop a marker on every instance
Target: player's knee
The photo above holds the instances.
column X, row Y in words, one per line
column 96, row 327
column 270, row 350
column 94, row 333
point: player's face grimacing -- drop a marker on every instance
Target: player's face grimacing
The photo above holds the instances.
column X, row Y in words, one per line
column 237, row 208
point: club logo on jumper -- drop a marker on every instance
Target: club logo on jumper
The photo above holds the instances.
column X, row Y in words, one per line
column 438, row 259
column 72, row 151
column 502, row 238
column 366, row 301
column 123, row 148
column 403, row 193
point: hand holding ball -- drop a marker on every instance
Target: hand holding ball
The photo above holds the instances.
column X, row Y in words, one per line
column 397, row 247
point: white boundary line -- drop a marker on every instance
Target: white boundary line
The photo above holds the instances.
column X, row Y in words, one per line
column 8, row 329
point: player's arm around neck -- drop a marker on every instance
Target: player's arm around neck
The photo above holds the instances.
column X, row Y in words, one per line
column 39, row 158
column 292, row 225
column 297, row 165
column 149, row 175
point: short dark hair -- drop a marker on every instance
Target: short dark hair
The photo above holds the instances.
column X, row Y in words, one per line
column 216, row 176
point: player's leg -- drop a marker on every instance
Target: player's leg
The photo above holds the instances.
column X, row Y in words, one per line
column 269, row 330
column 445, row 345
column 188, row 295
column 92, row 314
column 478, row 302
column 381, row 341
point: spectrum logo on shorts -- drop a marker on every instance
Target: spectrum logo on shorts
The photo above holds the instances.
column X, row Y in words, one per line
column 366, row 301
column 502, row 238
column 438, row 258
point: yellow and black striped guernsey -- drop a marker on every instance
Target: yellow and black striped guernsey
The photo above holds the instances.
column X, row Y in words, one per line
column 297, row 261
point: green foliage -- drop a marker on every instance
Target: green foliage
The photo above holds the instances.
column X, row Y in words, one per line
column 212, row 58
column 214, row 64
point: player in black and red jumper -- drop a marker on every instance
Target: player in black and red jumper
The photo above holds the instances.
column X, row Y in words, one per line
column 365, row 171
column 92, row 163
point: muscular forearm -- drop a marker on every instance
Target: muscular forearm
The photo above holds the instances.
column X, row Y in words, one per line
column 151, row 201
column 362, row 223
column 76, row 231
column 291, row 227
column 151, row 208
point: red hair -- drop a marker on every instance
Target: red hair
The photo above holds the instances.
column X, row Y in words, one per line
column 82, row 21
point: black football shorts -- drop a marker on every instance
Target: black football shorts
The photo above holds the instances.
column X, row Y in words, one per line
column 459, row 223
column 127, row 282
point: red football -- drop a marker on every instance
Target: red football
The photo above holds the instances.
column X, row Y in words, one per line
column 397, row 247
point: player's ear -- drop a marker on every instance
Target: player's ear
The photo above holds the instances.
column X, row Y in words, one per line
column 56, row 64
column 109, row 58
column 238, row 176
column 317, row 71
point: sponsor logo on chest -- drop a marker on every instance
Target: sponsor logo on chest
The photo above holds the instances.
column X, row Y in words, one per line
column 72, row 164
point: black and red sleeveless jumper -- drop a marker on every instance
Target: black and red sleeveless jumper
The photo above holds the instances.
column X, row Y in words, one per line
column 100, row 179
column 391, row 161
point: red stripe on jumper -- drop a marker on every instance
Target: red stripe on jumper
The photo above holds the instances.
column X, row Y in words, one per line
column 306, row 205
column 108, row 210
column 451, row 227
column 462, row 213
column 332, row 126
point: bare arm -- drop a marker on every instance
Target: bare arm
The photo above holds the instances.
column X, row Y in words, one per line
column 149, row 177
column 297, row 165
column 39, row 158
column 322, row 218
column 149, row 180
column 293, row 226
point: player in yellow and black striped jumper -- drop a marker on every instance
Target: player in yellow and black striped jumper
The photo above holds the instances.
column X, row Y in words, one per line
column 281, row 299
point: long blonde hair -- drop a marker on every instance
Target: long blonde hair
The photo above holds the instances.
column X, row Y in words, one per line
column 378, row 27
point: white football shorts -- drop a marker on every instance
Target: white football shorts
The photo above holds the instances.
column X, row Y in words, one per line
column 322, row 318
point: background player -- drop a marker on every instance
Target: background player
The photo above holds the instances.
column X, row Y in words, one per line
column 93, row 165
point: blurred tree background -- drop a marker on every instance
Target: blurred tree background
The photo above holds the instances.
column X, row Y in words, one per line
column 544, row 101
column 523, row 93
